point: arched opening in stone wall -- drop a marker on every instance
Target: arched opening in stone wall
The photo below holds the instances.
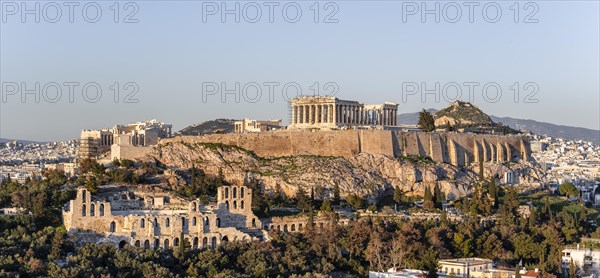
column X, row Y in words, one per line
column 194, row 221
column 142, row 223
column 225, row 239
column 83, row 209
column 84, row 194
column 155, row 222
column 253, row 222
column 194, row 206
column 234, row 204
column 300, row 227
column 167, row 222
column 195, row 242
column 112, row 227
column 146, row 244
column 242, row 192
column 166, row 244
column 227, row 204
column 176, row 241
column 206, row 222
column 137, row 243
column 293, row 228
column 218, row 222
column 122, row 244
column 226, row 192
column 182, row 221
column 92, row 210
column 242, row 204
column 285, row 228
column 214, row 242
column 278, row 228
column 101, row 209
column 156, row 243
column 235, row 192
column 204, row 242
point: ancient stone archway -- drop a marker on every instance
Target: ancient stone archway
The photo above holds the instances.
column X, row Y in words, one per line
column 122, row 244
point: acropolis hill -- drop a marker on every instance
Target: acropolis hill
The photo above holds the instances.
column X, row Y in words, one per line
column 357, row 147
column 458, row 149
column 367, row 163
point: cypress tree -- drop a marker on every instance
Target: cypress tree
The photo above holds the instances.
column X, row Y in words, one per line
column 438, row 198
column 481, row 171
column 426, row 121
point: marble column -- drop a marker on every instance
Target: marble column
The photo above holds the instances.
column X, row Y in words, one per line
column 306, row 113
column 317, row 113
column 387, row 114
column 321, row 113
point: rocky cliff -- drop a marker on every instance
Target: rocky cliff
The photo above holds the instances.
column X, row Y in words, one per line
column 462, row 113
column 368, row 175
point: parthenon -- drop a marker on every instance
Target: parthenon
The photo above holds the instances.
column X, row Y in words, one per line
column 333, row 113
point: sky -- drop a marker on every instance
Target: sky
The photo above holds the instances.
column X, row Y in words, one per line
column 184, row 62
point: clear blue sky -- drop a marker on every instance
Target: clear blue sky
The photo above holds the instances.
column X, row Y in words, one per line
column 369, row 53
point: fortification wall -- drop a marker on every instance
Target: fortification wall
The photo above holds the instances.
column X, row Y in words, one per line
column 128, row 152
column 454, row 148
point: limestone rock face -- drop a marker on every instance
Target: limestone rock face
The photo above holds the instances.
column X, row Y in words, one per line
column 366, row 175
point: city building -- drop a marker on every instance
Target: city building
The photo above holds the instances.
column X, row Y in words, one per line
column 463, row 267
column 317, row 112
column 584, row 255
column 398, row 273
column 248, row 125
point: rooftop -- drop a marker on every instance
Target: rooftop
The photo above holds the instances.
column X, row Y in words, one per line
column 464, row 261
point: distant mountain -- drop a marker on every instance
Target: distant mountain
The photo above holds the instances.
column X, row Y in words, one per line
column 209, row 127
column 560, row 131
